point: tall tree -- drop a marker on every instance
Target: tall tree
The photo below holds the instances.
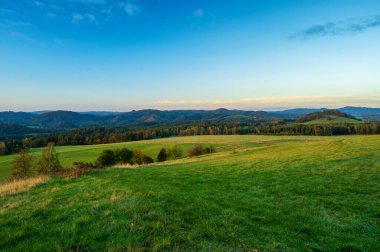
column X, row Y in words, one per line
column 22, row 165
column 49, row 160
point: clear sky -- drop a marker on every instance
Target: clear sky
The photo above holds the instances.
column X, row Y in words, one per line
column 170, row 54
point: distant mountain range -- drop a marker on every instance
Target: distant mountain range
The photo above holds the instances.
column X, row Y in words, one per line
column 68, row 119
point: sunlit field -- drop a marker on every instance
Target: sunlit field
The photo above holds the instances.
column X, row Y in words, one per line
column 256, row 192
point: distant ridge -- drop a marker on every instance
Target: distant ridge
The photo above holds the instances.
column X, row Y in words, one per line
column 68, row 119
column 328, row 116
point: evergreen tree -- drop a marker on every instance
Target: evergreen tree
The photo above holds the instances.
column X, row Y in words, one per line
column 49, row 160
column 162, row 156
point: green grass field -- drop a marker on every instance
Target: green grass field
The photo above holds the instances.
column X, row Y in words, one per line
column 257, row 192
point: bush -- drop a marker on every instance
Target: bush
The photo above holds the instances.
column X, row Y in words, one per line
column 210, row 149
column 106, row 158
column 49, row 160
column 139, row 157
column 162, row 156
column 175, row 151
column 199, row 149
column 84, row 165
column 147, row 160
column 124, row 156
column 22, row 165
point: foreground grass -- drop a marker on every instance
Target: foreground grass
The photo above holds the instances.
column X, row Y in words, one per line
column 287, row 194
column 18, row 186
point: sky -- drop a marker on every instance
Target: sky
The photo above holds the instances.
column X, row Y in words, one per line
column 122, row 55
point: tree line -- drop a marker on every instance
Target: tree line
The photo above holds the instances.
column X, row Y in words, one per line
column 101, row 135
column 24, row 166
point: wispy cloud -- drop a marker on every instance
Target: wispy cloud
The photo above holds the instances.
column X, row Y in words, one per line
column 51, row 15
column 89, row 1
column 12, row 23
column 39, row 4
column 198, row 12
column 130, row 9
column 331, row 101
column 77, row 17
column 6, row 11
column 338, row 28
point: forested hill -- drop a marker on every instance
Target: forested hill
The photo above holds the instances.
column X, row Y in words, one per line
column 328, row 116
column 70, row 120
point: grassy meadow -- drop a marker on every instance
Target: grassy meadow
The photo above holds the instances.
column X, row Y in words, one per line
column 269, row 193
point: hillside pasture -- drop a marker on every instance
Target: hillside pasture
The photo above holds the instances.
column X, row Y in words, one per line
column 266, row 193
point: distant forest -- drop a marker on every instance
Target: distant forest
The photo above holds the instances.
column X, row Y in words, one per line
column 101, row 135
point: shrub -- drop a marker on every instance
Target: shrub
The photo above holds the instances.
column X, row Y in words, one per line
column 84, row 165
column 175, row 151
column 138, row 157
column 162, row 156
column 199, row 149
column 106, row 158
column 123, row 156
column 22, row 165
column 49, row 160
column 210, row 149
column 147, row 160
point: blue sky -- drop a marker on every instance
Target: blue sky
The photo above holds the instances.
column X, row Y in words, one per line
column 248, row 54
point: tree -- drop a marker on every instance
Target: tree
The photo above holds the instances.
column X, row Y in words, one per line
column 22, row 165
column 106, row 158
column 123, row 156
column 3, row 148
column 162, row 156
column 49, row 160
column 138, row 157
column 175, row 151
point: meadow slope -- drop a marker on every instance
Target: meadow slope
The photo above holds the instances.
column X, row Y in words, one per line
column 257, row 192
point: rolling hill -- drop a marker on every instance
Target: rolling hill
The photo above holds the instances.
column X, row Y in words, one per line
column 69, row 120
column 256, row 193
column 327, row 116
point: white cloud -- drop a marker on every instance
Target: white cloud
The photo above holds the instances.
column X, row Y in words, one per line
column 198, row 12
column 51, row 15
column 5, row 11
column 39, row 4
column 107, row 10
column 329, row 101
column 89, row 1
column 77, row 17
column 130, row 9
column 90, row 17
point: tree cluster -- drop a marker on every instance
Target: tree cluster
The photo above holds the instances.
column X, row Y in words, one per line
column 23, row 165
column 122, row 156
